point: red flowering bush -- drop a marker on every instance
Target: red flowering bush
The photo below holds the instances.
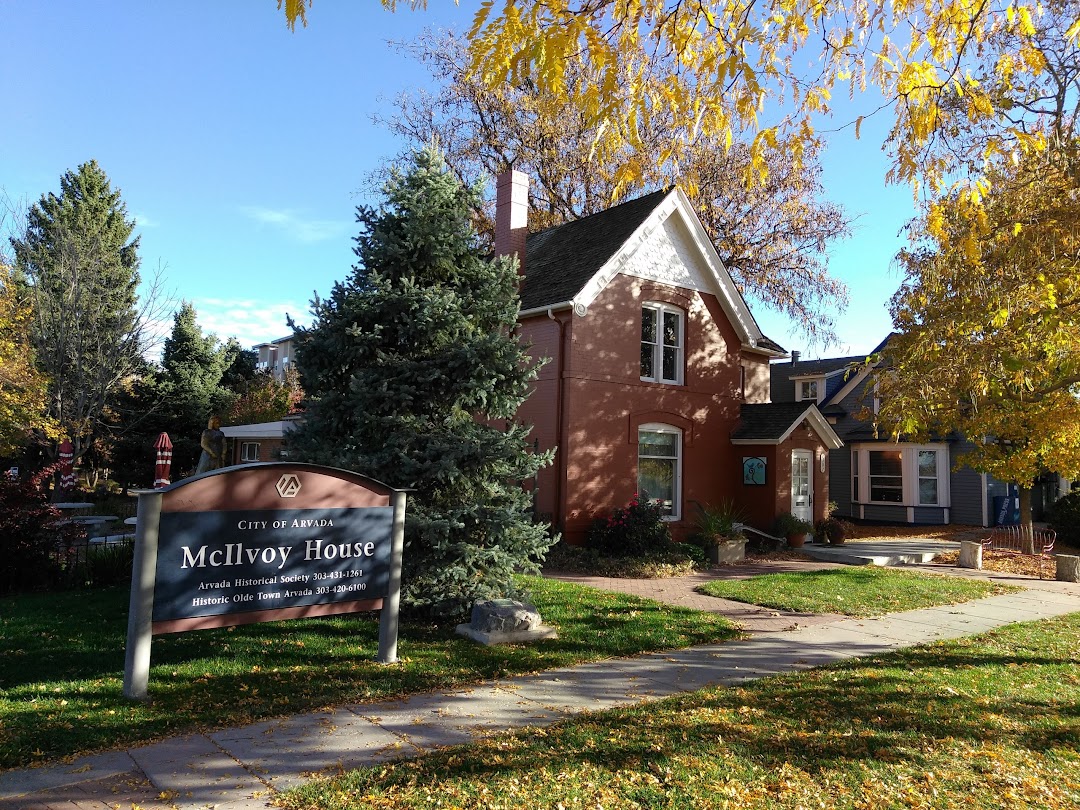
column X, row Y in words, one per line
column 636, row 530
column 35, row 540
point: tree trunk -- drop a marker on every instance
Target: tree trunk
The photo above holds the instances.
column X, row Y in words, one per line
column 1027, row 531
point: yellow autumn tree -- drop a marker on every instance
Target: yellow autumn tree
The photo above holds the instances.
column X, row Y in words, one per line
column 989, row 323
column 22, row 388
column 773, row 237
column 769, row 70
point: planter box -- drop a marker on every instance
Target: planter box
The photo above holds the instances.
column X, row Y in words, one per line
column 727, row 551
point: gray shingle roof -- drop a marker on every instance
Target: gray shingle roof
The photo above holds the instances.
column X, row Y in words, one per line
column 768, row 421
column 782, row 388
column 561, row 260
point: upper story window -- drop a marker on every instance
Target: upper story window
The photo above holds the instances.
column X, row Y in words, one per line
column 810, row 390
column 662, row 328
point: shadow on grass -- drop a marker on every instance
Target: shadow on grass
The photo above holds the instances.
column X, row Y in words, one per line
column 62, row 689
column 1016, row 690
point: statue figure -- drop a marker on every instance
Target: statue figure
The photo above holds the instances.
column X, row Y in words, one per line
column 213, row 447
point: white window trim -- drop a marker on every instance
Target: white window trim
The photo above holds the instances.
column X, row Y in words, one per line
column 658, row 347
column 676, row 502
column 244, row 451
column 909, row 461
column 819, row 394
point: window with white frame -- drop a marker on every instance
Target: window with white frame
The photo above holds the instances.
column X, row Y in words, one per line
column 249, row 451
column 660, row 467
column 885, row 472
column 928, row 465
column 909, row 475
column 662, row 328
column 809, row 390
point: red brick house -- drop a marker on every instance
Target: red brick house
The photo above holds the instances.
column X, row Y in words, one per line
column 657, row 377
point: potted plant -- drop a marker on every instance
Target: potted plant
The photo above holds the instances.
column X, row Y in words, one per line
column 830, row 530
column 719, row 531
column 793, row 528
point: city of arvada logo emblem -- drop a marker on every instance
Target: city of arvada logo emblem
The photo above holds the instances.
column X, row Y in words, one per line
column 288, row 485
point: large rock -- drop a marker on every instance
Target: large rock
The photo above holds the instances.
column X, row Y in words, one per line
column 504, row 616
column 505, row 621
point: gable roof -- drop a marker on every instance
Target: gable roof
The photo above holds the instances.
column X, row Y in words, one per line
column 826, row 367
column 854, row 367
column 562, row 260
column 773, row 422
column 569, row 265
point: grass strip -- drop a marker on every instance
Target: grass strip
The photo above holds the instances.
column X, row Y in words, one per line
column 984, row 722
column 866, row 590
column 61, row 674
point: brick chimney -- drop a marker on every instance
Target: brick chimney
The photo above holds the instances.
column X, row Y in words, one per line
column 512, row 215
column 795, row 357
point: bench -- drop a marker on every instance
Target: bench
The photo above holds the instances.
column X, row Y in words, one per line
column 1010, row 540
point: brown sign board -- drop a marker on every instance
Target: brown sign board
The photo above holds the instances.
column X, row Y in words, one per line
column 263, row 542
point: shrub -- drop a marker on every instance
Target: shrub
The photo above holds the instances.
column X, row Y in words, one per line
column 717, row 522
column 109, row 565
column 36, row 543
column 676, row 560
column 636, row 530
column 1064, row 518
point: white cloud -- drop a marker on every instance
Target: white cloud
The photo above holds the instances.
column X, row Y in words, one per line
column 143, row 221
column 251, row 321
column 297, row 227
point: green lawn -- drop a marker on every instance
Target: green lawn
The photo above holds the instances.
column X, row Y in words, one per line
column 986, row 722
column 61, row 671
column 866, row 590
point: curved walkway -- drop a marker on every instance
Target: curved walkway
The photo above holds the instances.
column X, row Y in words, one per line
column 682, row 591
column 239, row 768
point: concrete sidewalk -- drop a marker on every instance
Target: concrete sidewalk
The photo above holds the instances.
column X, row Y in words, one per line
column 240, row 768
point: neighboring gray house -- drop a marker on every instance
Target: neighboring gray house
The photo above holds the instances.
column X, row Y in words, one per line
column 881, row 480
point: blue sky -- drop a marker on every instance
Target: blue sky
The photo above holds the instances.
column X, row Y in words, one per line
column 241, row 148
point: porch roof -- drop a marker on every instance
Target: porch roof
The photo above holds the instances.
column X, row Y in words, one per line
column 774, row 422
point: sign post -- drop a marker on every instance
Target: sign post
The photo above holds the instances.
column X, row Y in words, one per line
column 263, row 542
column 141, row 605
column 388, row 619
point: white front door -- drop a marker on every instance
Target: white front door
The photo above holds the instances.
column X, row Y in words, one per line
column 802, row 484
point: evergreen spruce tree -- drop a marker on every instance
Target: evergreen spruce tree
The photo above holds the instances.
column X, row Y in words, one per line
column 413, row 377
column 192, row 368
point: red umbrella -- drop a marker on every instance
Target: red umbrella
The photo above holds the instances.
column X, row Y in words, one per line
column 67, row 466
column 164, row 461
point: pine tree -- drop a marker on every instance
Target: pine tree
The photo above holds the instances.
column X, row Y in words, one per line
column 192, row 367
column 79, row 266
column 413, row 377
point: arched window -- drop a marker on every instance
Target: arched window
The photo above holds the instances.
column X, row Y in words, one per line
column 662, row 332
column 660, row 467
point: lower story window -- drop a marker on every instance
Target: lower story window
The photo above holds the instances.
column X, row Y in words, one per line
column 886, row 473
column 908, row 475
column 249, row 451
column 928, row 477
column 660, row 466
